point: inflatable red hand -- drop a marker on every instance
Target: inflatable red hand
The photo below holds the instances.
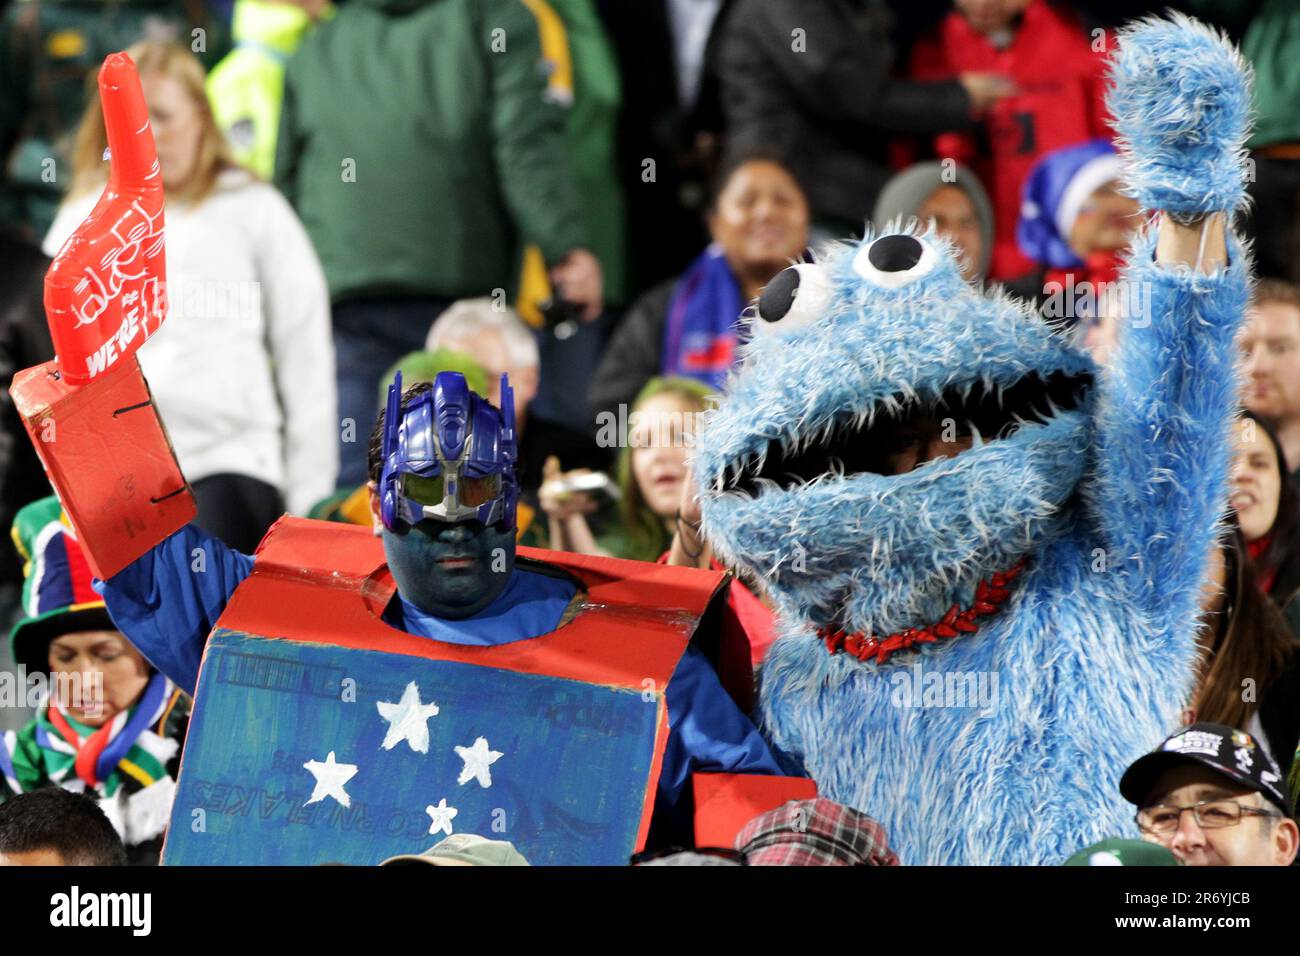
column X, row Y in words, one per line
column 105, row 294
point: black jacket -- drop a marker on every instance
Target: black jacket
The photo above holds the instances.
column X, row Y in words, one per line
column 824, row 99
column 634, row 353
column 24, row 341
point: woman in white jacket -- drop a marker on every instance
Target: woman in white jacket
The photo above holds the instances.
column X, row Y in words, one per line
column 243, row 369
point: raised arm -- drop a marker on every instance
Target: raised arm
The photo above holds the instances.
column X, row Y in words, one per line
column 167, row 600
column 1181, row 106
column 89, row 413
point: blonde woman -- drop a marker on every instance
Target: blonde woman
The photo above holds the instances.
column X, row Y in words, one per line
column 243, row 370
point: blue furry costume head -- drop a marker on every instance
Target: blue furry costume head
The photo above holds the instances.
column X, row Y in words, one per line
column 1106, row 488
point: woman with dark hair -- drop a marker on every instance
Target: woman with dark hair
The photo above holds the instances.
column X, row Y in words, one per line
column 1250, row 667
column 758, row 220
column 1267, row 504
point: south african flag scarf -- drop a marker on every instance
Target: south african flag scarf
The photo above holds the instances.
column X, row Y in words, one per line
column 56, row 748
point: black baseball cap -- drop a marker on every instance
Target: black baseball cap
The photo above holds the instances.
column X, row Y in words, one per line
column 1233, row 753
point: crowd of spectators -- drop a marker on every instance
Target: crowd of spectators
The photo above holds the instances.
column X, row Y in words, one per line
column 585, row 195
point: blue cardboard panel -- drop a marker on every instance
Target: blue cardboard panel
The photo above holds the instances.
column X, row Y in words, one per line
column 568, row 786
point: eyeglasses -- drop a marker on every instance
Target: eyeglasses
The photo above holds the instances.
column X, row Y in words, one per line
column 1209, row 815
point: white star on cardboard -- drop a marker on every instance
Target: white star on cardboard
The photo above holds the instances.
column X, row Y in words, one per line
column 440, row 817
column 408, row 720
column 330, row 778
column 478, row 759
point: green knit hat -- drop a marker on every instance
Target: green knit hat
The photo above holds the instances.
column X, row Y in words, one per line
column 425, row 366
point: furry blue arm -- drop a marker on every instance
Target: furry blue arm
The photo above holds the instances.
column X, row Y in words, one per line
column 1181, row 102
column 1164, row 423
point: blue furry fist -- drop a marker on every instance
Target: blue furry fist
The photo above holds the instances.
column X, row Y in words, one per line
column 1181, row 106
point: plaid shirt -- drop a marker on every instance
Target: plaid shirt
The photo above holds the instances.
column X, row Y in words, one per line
column 815, row 832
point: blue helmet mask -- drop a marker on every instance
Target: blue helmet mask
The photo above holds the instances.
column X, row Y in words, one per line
column 449, row 456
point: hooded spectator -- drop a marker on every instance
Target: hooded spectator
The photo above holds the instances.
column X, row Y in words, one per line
column 420, row 177
column 1076, row 224
column 951, row 198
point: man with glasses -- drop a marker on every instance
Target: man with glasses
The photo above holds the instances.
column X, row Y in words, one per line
column 1214, row 797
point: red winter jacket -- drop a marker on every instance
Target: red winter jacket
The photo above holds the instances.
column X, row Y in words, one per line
column 1060, row 80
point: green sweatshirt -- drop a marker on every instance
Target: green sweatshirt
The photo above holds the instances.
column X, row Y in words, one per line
column 1271, row 42
column 420, row 150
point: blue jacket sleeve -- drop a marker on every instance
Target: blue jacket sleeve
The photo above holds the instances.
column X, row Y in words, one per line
column 168, row 599
column 707, row 732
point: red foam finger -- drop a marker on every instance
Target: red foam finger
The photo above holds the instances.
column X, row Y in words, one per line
column 126, row 120
column 105, row 293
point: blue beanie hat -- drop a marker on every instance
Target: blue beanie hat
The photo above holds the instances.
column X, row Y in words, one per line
column 1056, row 189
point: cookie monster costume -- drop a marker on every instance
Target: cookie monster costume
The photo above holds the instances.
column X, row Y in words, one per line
column 1059, row 557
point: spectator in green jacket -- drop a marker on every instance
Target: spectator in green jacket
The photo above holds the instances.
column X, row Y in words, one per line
column 49, row 50
column 246, row 88
column 420, row 171
column 1270, row 40
column 581, row 75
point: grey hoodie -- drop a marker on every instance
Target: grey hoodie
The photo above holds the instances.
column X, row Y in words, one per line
column 904, row 193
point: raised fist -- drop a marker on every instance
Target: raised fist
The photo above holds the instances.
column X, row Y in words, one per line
column 105, row 294
column 1181, row 104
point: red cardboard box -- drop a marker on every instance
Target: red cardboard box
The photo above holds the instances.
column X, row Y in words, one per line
column 725, row 802
column 302, row 658
column 107, row 454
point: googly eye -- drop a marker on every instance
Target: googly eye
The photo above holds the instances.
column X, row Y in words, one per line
column 893, row 261
column 796, row 297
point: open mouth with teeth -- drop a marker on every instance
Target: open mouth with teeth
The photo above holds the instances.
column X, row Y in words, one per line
column 858, row 442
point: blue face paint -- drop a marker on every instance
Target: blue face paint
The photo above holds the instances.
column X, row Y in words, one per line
column 451, row 570
column 447, row 493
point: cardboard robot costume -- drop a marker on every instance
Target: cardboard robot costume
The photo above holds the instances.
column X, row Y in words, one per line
column 341, row 680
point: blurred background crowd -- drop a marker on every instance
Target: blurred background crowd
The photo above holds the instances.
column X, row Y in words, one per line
column 586, row 194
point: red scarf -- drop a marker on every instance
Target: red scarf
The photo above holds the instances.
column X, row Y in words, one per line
column 1256, row 550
